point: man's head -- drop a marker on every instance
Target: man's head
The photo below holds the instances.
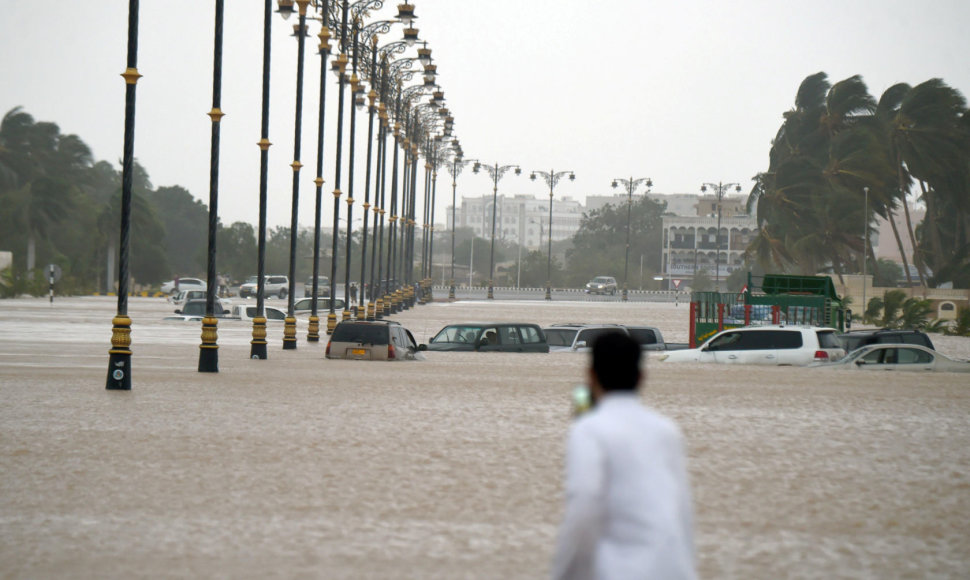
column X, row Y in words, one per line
column 616, row 363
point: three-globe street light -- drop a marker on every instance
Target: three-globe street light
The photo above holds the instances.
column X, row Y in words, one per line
column 257, row 348
column 496, row 172
column 209, row 350
column 455, row 169
column 119, row 357
column 719, row 190
column 631, row 185
column 552, row 178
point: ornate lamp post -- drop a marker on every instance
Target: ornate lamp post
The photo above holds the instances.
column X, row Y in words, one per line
column 455, row 169
column 719, row 189
column 339, row 67
column 209, row 350
column 119, row 357
column 257, row 348
column 495, row 172
column 286, row 8
column 865, row 249
column 552, row 178
column 631, row 184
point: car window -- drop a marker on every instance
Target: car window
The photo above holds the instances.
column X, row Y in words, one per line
column 643, row 335
column 490, row 337
column 560, row 336
column 509, row 335
column 910, row 356
column 828, row 339
column 591, row 334
column 726, row 341
column 874, row 357
column 362, row 333
column 274, row 314
column 915, row 338
column 458, row 333
column 780, row 339
column 529, row 334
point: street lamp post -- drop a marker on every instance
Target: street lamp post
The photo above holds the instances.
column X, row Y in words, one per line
column 209, row 350
column 631, row 185
column 455, row 169
column 289, row 327
column 257, row 349
column 865, row 249
column 119, row 357
column 719, row 189
column 339, row 66
column 552, row 178
column 495, row 172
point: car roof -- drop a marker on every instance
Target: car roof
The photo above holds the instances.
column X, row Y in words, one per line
column 580, row 326
column 885, row 330
column 491, row 324
column 371, row 322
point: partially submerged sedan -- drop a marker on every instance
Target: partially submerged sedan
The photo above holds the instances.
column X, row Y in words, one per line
column 490, row 337
column 898, row 357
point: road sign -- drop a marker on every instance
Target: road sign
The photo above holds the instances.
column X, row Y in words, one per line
column 53, row 271
column 675, row 282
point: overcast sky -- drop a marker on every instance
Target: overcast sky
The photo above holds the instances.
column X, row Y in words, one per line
column 683, row 92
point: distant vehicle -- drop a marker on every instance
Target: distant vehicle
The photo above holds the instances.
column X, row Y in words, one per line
column 182, row 297
column 305, row 305
column 182, row 318
column 272, row 286
column 601, row 285
column 767, row 345
column 650, row 338
column 197, row 308
column 575, row 337
column 858, row 338
column 382, row 340
column 490, row 337
column 323, row 286
column 897, row 357
column 184, row 284
column 248, row 312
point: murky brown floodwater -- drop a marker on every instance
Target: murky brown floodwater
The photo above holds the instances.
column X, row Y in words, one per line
column 300, row 467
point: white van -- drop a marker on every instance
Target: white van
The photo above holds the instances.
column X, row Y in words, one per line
column 777, row 344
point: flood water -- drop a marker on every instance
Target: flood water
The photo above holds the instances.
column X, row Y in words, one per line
column 301, row 467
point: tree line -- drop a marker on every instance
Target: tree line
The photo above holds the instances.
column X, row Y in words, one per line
column 839, row 142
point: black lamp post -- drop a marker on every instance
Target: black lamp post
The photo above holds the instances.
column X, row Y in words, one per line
column 719, row 190
column 495, row 172
column 631, row 185
column 455, row 169
column 289, row 326
column 313, row 332
column 354, row 88
column 209, row 350
column 257, row 348
column 339, row 67
column 119, row 357
column 551, row 178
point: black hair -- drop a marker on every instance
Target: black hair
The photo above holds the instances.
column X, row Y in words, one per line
column 616, row 362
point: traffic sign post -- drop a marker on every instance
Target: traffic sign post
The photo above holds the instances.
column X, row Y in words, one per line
column 53, row 275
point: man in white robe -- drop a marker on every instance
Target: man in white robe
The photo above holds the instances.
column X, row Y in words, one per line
column 628, row 506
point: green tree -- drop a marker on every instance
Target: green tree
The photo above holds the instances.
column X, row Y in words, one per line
column 186, row 223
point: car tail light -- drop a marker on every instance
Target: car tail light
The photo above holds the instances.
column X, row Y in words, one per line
column 328, row 348
column 821, row 356
column 390, row 352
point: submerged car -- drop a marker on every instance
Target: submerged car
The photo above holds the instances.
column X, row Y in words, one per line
column 197, row 308
column 305, row 305
column 898, row 357
column 490, row 337
column 766, row 345
column 248, row 312
column 858, row 338
column 577, row 337
column 379, row 340
column 183, row 284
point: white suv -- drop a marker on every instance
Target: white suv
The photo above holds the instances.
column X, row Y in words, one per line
column 766, row 345
column 272, row 286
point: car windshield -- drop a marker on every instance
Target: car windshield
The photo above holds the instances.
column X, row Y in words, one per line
column 559, row 336
column 457, row 333
column 194, row 308
column 360, row 333
column 600, row 280
column 252, row 280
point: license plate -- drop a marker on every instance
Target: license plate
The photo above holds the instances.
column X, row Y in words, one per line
column 358, row 352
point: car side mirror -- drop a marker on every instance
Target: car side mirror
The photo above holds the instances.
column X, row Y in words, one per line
column 178, row 312
column 581, row 344
column 860, row 362
column 422, row 347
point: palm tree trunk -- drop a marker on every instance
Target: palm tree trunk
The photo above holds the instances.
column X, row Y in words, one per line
column 932, row 226
column 31, row 251
column 909, row 222
column 899, row 242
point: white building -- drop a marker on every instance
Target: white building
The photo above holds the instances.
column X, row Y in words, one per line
column 520, row 217
column 692, row 243
column 677, row 203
